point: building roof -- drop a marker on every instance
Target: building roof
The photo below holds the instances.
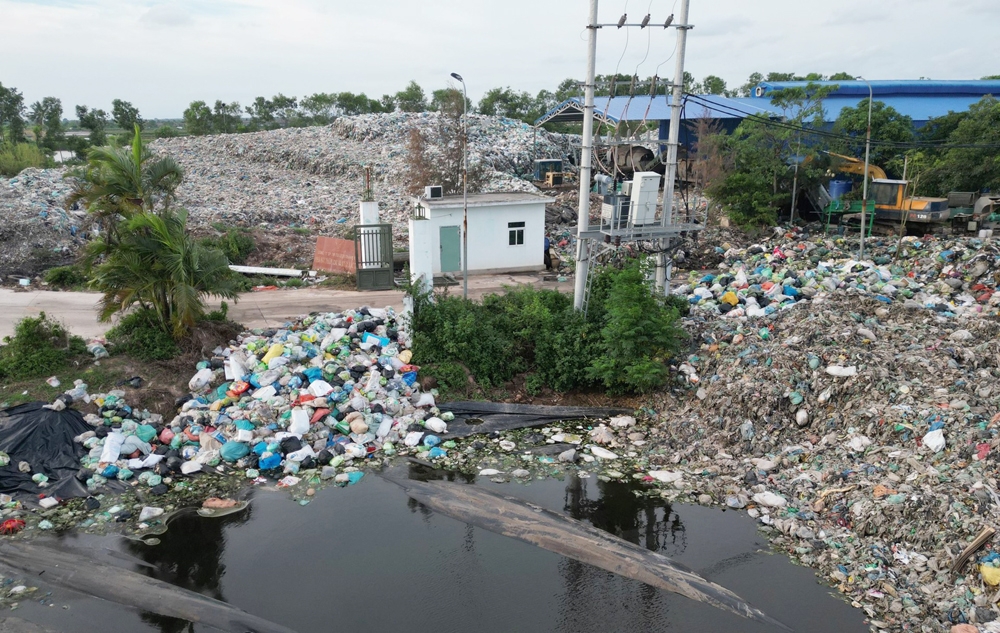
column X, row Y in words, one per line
column 483, row 199
column 894, row 88
column 919, row 106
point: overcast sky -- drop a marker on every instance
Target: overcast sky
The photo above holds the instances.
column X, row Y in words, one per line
column 161, row 55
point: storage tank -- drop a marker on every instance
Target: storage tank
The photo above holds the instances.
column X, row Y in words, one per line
column 840, row 187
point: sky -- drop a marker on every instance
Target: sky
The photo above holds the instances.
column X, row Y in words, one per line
column 162, row 54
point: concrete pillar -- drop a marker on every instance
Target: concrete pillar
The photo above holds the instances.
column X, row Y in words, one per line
column 422, row 253
column 368, row 212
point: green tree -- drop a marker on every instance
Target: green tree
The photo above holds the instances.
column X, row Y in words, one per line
column 349, row 104
column 411, row 99
column 11, row 115
column 47, row 117
column 713, row 85
column 318, row 108
column 198, row 119
column 226, row 117
column 386, row 104
column 261, row 113
column 119, row 182
column 159, row 267
column 95, row 120
column 126, row 117
column 286, row 110
column 842, row 77
column 971, row 168
column 888, row 125
column 508, row 103
column 757, row 180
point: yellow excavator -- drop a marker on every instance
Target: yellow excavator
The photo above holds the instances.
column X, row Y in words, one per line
column 888, row 199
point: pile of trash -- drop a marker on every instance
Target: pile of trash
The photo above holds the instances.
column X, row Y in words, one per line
column 950, row 275
column 861, row 427
column 315, row 395
column 37, row 231
column 314, row 177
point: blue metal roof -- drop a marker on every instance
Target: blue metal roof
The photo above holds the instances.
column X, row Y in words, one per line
column 916, row 87
column 920, row 108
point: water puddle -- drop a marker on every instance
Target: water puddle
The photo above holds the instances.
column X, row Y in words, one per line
column 368, row 558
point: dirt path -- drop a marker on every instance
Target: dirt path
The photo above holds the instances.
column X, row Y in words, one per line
column 78, row 310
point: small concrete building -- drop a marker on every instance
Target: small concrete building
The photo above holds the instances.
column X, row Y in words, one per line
column 506, row 234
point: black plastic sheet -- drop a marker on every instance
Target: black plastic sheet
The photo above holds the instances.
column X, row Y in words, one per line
column 43, row 438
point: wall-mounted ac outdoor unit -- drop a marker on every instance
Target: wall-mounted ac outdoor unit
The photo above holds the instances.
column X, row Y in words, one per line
column 434, row 191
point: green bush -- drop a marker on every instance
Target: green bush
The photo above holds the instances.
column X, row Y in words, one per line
column 166, row 131
column 16, row 157
column 65, row 277
column 294, row 282
column 40, row 346
column 237, row 244
column 141, row 336
column 622, row 344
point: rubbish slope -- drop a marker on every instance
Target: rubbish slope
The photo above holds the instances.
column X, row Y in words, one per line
column 84, row 575
column 568, row 537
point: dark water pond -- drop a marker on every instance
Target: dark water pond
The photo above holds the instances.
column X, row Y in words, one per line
column 367, row 558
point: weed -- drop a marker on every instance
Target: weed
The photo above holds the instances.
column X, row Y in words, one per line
column 141, row 336
column 65, row 277
column 40, row 346
column 294, row 282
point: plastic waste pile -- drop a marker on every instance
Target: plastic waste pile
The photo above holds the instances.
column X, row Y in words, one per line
column 37, row 229
column 325, row 394
column 862, row 434
column 950, row 275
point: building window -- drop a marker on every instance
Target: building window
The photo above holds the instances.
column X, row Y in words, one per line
column 515, row 233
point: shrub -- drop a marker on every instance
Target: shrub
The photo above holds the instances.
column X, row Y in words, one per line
column 294, row 282
column 65, row 277
column 166, row 131
column 237, row 244
column 39, row 346
column 622, row 344
column 141, row 336
column 16, row 157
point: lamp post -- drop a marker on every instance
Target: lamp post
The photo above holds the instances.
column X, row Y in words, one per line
column 465, row 188
column 864, row 191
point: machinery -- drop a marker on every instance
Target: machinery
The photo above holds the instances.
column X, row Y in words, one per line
column 889, row 202
column 634, row 205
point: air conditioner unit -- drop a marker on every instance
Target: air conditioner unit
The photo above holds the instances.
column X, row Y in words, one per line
column 433, row 191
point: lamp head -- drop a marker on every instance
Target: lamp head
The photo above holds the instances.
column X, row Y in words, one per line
column 458, row 77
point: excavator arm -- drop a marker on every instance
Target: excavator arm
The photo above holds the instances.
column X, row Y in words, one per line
column 851, row 165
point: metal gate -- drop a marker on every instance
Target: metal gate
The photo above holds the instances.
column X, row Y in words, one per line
column 373, row 256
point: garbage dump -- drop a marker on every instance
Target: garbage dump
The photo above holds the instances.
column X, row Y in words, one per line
column 291, row 178
column 852, row 408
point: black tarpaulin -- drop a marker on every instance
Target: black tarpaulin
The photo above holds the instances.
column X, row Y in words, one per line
column 43, row 438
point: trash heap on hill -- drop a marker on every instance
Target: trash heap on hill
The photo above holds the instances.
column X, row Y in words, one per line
column 950, row 275
column 314, row 177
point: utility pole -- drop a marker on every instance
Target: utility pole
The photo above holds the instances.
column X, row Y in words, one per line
column 586, row 157
column 864, row 194
column 672, row 144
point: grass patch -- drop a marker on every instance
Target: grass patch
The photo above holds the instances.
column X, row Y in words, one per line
column 340, row 281
column 237, row 243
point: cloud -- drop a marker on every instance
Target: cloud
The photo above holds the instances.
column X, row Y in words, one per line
column 166, row 15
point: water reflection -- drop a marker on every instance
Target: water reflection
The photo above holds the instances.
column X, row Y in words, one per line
column 189, row 555
column 638, row 519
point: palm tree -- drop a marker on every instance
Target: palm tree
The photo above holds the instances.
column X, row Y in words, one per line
column 157, row 265
column 119, row 182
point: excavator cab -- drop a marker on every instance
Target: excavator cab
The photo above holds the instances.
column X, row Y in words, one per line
column 888, row 193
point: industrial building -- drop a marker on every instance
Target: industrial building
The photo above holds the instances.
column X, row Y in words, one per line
column 921, row 100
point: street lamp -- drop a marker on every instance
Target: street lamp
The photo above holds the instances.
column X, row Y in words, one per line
column 465, row 188
column 868, row 147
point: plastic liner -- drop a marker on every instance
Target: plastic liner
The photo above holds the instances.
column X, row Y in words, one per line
column 571, row 538
column 476, row 418
column 44, row 439
column 84, row 575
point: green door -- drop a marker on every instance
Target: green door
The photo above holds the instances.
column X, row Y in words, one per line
column 451, row 253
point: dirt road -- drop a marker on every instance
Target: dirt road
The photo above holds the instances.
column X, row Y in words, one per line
column 78, row 310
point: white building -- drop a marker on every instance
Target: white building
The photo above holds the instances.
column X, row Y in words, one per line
column 506, row 234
